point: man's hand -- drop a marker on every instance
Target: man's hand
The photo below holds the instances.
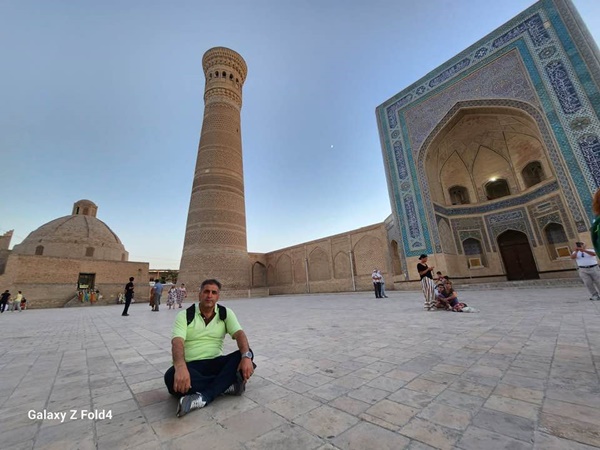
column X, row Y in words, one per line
column 183, row 382
column 246, row 368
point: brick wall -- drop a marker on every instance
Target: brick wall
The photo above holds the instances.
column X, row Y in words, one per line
column 51, row 282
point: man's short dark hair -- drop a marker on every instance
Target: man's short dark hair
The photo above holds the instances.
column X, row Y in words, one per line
column 131, row 278
column 210, row 281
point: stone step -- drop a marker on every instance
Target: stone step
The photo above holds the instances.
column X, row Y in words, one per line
column 521, row 284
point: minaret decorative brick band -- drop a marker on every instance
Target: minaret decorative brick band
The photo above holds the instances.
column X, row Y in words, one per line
column 215, row 236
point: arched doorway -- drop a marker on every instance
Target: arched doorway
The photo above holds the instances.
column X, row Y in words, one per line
column 517, row 256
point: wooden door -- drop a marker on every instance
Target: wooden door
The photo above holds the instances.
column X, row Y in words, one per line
column 517, row 257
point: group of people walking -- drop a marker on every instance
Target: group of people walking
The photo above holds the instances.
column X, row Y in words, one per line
column 176, row 295
column 7, row 303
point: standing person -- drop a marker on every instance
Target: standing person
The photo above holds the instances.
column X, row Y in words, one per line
column 376, row 282
column 16, row 304
column 157, row 290
column 587, row 265
column 4, row 299
column 172, row 296
column 382, row 284
column 181, row 294
column 427, row 284
column 200, row 371
column 595, row 230
column 128, row 296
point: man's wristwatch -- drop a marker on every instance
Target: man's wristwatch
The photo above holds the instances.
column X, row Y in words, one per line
column 247, row 355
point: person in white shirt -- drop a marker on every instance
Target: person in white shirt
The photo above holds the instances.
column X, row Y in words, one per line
column 376, row 277
column 589, row 272
column 382, row 281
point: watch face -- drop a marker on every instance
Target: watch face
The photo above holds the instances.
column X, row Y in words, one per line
column 248, row 355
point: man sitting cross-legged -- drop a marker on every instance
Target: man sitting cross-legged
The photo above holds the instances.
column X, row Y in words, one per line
column 200, row 371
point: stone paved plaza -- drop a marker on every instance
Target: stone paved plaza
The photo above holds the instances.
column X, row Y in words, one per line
column 337, row 371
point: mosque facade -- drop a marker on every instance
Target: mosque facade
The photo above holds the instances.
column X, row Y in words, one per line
column 492, row 158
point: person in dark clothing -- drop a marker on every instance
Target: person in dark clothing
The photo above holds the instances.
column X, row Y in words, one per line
column 427, row 284
column 128, row 296
column 4, row 300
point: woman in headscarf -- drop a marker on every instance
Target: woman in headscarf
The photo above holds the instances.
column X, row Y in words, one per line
column 425, row 272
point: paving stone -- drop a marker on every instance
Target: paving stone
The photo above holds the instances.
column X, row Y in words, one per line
column 250, row 424
column 20, row 435
column 500, row 370
column 446, row 416
column 386, row 383
column 328, row 391
column 412, row 398
column 519, row 393
column 470, row 388
column 478, row 439
column 545, row 441
column 350, row 405
column 506, row 424
column 368, row 436
column 589, row 398
column 429, row 433
column 469, row 403
column 292, row 405
column 368, row 394
column 69, row 434
column 512, row 406
column 569, row 428
column 326, row 422
column 578, row 412
column 426, row 386
column 287, row 436
column 392, row 412
column 266, row 394
column 175, row 427
column 210, row 436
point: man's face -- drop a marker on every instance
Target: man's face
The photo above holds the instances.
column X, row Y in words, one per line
column 209, row 295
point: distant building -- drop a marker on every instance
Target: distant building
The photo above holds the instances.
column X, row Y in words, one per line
column 73, row 252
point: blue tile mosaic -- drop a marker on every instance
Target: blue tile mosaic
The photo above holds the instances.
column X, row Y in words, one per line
column 590, row 147
column 534, row 26
column 534, row 63
column 562, row 84
column 450, row 72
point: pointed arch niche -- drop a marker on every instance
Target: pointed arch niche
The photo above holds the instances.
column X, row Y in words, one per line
column 479, row 145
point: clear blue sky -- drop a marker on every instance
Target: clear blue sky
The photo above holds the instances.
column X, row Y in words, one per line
column 103, row 100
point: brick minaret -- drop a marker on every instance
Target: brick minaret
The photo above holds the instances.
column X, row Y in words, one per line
column 215, row 237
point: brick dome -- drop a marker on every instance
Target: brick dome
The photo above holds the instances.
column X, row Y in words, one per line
column 80, row 235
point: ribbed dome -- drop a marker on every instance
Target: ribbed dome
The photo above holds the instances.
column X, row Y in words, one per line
column 74, row 236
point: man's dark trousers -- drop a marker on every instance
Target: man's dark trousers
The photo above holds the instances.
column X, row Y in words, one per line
column 377, row 287
column 127, row 303
column 210, row 377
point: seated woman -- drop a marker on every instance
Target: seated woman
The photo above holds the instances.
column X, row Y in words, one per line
column 442, row 299
column 451, row 296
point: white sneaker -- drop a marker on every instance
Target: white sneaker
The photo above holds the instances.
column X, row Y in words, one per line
column 188, row 403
